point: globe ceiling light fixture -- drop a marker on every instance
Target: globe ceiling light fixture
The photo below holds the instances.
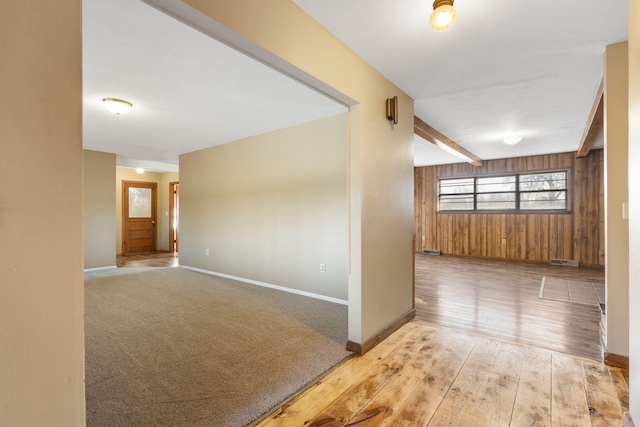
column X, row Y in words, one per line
column 512, row 140
column 117, row 106
column 443, row 16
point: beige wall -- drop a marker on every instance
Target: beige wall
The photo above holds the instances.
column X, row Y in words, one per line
column 634, row 206
column 99, row 209
column 162, row 180
column 41, row 290
column 616, row 125
column 271, row 208
column 381, row 155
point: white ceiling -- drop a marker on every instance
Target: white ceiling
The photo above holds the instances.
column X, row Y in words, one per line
column 526, row 67
column 189, row 91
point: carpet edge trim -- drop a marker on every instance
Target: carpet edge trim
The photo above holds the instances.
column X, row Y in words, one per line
column 293, row 396
column 268, row 285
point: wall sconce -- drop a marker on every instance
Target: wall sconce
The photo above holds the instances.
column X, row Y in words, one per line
column 392, row 109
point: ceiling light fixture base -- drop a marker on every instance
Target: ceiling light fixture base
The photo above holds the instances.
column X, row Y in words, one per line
column 117, row 106
column 512, row 140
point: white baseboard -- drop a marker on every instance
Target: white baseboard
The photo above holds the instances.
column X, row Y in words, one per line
column 100, row 268
column 269, row 285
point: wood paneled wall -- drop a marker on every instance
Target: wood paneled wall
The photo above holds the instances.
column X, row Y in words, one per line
column 577, row 234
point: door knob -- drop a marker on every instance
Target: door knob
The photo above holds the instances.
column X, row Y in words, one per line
column 153, row 222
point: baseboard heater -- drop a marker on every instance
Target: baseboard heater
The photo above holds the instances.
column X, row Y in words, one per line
column 569, row 262
column 431, row 252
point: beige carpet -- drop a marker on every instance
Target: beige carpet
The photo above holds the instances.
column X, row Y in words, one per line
column 172, row 347
column 581, row 292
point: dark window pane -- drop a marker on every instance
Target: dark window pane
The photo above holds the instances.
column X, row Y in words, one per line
column 496, row 201
column 456, row 203
column 531, row 191
column 543, row 181
column 496, row 184
column 456, row 186
column 543, row 200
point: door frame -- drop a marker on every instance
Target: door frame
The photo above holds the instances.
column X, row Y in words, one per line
column 125, row 212
column 174, row 215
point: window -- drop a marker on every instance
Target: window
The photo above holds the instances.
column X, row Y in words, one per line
column 521, row 192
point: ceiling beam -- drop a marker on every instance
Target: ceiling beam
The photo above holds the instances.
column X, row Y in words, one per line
column 425, row 131
column 594, row 123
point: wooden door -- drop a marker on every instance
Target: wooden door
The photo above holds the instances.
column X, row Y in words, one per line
column 139, row 201
column 174, row 216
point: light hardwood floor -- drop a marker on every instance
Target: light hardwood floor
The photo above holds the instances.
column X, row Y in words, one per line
column 501, row 299
column 148, row 259
column 487, row 351
column 423, row 375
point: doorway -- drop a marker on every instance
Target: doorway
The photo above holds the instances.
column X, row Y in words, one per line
column 139, row 202
column 174, row 215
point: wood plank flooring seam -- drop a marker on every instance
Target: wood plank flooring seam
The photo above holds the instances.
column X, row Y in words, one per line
column 602, row 397
column 396, row 393
column 569, row 405
column 520, row 379
column 504, row 339
column 466, row 359
column 356, row 377
column 620, row 378
column 532, row 405
column 363, row 392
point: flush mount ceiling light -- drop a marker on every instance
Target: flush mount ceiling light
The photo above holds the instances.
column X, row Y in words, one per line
column 443, row 16
column 140, row 170
column 512, row 140
column 117, row 106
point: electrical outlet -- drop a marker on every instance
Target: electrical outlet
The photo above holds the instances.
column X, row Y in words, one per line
column 206, row 252
column 323, row 268
column 504, row 241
